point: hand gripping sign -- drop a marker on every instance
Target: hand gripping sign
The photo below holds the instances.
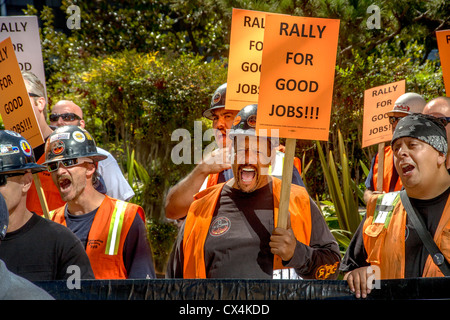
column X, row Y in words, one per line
column 296, row 85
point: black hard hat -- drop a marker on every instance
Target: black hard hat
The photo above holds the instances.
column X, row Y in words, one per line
column 217, row 101
column 69, row 142
column 245, row 122
column 16, row 154
column 4, row 217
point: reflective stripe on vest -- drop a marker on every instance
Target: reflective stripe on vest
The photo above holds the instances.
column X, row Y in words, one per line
column 115, row 228
column 384, row 208
column 278, row 167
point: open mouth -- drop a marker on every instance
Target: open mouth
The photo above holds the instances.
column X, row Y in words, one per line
column 407, row 169
column 64, row 183
column 247, row 174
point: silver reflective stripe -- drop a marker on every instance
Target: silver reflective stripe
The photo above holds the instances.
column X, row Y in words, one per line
column 115, row 228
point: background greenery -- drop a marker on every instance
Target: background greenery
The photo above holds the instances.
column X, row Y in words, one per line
column 141, row 69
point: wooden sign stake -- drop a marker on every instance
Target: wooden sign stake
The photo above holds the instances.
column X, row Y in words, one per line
column 283, row 213
column 41, row 195
column 380, row 177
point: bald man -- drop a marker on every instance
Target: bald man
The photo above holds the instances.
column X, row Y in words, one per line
column 440, row 108
column 66, row 112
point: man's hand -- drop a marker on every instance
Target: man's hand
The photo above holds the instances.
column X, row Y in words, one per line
column 357, row 281
column 216, row 161
column 282, row 243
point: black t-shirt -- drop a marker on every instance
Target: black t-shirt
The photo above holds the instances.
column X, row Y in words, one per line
column 239, row 234
column 415, row 252
column 237, row 244
column 43, row 250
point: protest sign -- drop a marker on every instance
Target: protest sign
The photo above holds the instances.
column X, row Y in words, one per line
column 297, row 76
column 378, row 101
column 24, row 34
column 15, row 106
column 296, row 86
column 244, row 61
column 443, row 40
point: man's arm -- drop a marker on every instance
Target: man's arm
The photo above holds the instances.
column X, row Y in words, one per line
column 180, row 196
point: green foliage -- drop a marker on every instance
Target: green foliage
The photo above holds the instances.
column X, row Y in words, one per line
column 343, row 192
column 162, row 235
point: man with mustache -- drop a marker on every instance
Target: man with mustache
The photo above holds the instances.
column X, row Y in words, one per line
column 216, row 167
column 230, row 230
column 388, row 238
column 111, row 230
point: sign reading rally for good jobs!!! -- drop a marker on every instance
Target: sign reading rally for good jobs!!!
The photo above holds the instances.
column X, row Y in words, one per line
column 378, row 101
column 297, row 76
column 15, row 106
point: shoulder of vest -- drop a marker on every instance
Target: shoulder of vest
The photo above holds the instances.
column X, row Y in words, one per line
column 208, row 190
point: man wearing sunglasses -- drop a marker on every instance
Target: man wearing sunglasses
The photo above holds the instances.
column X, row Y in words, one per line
column 66, row 112
column 406, row 104
column 33, row 247
column 36, row 93
column 440, row 108
column 112, row 231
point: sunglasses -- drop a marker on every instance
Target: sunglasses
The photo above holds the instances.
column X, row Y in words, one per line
column 53, row 166
column 34, row 95
column 65, row 116
column 393, row 119
column 3, row 177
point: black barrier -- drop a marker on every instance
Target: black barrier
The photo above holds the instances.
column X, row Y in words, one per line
column 218, row 289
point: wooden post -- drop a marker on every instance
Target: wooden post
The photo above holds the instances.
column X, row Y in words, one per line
column 40, row 192
column 283, row 212
column 380, row 177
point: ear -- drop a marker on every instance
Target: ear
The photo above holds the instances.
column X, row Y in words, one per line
column 27, row 180
column 40, row 103
column 441, row 159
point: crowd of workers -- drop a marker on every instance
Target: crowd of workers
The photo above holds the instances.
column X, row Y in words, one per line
column 226, row 208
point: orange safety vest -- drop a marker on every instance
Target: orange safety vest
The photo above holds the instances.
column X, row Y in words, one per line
column 384, row 239
column 51, row 193
column 107, row 236
column 388, row 171
column 201, row 212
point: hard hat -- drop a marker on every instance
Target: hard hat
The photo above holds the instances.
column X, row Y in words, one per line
column 217, row 101
column 408, row 103
column 16, row 154
column 245, row 122
column 69, row 142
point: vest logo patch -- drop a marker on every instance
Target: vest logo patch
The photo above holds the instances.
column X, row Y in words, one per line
column 94, row 244
column 220, row 226
column 326, row 270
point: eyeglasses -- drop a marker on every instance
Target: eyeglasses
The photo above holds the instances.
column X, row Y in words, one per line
column 65, row 116
column 53, row 166
column 34, row 95
column 3, row 177
column 393, row 119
